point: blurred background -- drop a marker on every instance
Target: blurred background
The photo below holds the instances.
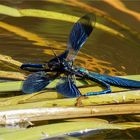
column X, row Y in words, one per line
column 28, row 28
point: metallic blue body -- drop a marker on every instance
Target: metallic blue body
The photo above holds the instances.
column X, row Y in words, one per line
column 32, row 67
column 63, row 64
column 106, row 81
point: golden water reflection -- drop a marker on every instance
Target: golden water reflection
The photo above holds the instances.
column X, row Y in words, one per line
column 28, row 39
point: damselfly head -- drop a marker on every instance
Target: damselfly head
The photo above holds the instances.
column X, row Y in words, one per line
column 54, row 64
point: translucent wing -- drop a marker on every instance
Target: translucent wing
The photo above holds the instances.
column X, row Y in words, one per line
column 116, row 81
column 68, row 88
column 79, row 34
column 36, row 82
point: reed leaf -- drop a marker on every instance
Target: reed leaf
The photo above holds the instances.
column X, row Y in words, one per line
column 12, row 75
column 32, row 115
column 8, row 130
column 61, row 128
column 120, row 97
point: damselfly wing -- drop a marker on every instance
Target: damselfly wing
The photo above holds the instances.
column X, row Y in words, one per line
column 36, row 82
column 79, row 34
column 67, row 87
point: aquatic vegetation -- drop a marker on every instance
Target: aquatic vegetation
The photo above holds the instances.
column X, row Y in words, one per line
column 47, row 114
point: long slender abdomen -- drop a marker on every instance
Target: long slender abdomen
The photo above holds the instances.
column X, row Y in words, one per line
column 32, row 67
column 117, row 81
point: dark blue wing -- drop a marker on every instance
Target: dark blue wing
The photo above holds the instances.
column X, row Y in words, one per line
column 36, row 82
column 68, row 88
column 116, row 81
column 79, row 34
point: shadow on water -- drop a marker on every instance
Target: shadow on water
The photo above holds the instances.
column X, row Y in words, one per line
column 100, row 135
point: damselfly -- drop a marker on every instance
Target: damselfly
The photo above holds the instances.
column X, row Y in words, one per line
column 63, row 65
